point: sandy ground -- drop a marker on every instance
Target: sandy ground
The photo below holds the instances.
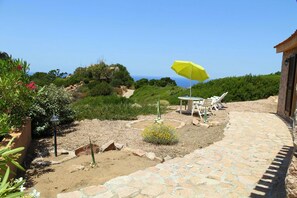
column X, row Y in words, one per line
column 53, row 179
column 77, row 173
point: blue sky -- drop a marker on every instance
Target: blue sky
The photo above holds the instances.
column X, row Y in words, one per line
column 228, row 38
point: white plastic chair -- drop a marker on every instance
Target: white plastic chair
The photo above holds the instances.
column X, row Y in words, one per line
column 202, row 108
column 217, row 101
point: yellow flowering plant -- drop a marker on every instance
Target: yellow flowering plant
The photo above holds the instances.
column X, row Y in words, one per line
column 160, row 134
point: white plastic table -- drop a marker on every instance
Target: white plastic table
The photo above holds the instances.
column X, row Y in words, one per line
column 190, row 102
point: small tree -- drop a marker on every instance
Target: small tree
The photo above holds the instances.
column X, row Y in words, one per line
column 50, row 100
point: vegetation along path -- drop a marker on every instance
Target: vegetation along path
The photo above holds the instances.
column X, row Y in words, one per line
column 251, row 160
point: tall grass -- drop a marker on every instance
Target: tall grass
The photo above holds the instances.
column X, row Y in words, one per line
column 110, row 108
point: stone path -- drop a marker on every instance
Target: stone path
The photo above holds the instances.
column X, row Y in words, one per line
column 250, row 161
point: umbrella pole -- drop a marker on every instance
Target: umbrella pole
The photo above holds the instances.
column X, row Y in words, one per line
column 191, row 88
column 191, row 82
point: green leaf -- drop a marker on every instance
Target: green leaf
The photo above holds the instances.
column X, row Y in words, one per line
column 9, row 143
column 15, row 195
column 3, row 168
column 5, row 178
column 13, row 151
column 3, row 189
column 17, row 165
column 3, row 150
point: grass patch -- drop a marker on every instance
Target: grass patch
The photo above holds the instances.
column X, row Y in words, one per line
column 110, row 108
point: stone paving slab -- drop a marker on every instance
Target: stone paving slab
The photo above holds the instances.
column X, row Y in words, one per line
column 248, row 162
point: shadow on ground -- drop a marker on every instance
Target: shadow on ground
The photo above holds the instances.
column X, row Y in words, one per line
column 37, row 149
column 272, row 183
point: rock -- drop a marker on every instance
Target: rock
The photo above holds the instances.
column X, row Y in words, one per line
column 75, row 168
column 108, row 146
column 86, row 150
column 119, row 146
column 150, row 155
column 204, row 124
column 31, row 172
column 138, row 152
column 195, row 121
column 159, row 159
column 40, row 162
column 167, row 158
column 128, row 149
column 63, row 152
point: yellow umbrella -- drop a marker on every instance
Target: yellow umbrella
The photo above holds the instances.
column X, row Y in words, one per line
column 190, row 70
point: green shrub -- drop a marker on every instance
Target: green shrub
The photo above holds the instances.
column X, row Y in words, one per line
column 50, row 100
column 142, row 82
column 120, row 76
column 60, row 82
column 101, row 89
column 164, row 103
column 116, row 82
column 160, row 134
column 16, row 93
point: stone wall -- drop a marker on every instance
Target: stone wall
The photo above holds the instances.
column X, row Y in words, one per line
column 283, row 84
column 291, row 179
column 23, row 138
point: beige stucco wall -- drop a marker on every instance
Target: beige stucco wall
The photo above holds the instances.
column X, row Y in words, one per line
column 22, row 139
column 283, row 83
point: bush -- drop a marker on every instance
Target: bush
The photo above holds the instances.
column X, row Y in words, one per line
column 120, row 76
column 142, row 82
column 50, row 100
column 16, row 93
column 101, row 89
column 160, row 134
column 60, row 82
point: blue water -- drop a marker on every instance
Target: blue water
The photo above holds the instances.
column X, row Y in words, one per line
column 182, row 82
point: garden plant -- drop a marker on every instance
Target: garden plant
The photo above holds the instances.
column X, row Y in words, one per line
column 50, row 100
column 16, row 96
column 16, row 93
column 160, row 134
